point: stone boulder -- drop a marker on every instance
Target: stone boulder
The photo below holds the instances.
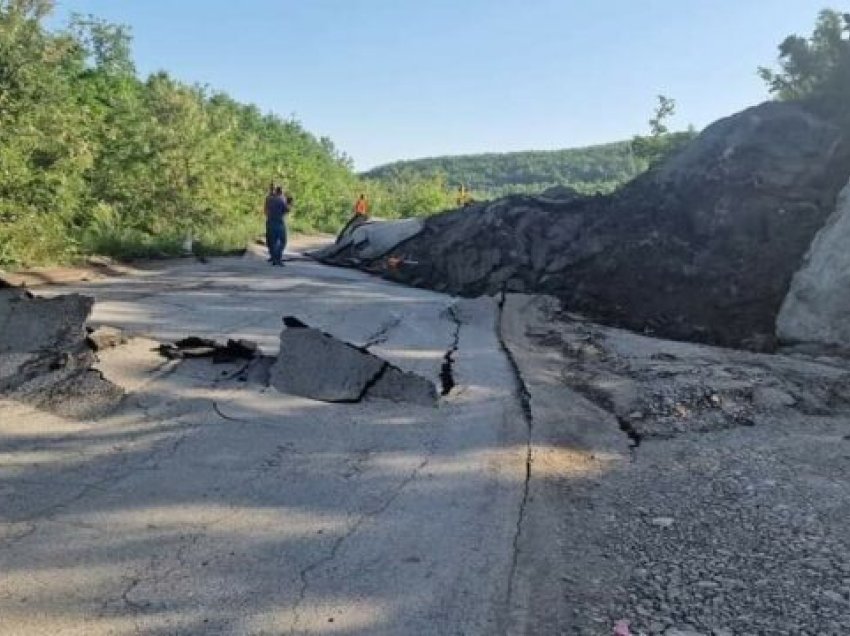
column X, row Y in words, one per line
column 817, row 307
column 702, row 248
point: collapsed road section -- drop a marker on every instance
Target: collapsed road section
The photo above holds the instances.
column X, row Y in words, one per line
column 317, row 365
column 45, row 359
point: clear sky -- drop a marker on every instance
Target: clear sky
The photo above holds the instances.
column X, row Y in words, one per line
column 399, row 79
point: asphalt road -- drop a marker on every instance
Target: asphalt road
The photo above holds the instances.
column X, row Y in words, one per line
column 207, row 505
column 577, row 476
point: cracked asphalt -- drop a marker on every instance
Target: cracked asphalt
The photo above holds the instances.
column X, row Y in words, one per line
column 211, row 505
column 574, row 476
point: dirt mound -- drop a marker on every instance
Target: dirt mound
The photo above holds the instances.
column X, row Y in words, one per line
column 701, row 249
column 44, row 357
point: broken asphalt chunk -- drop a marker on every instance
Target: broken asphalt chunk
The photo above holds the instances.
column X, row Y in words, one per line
column 319, row 366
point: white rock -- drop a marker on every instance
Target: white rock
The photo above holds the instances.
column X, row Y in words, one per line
column 817, row 306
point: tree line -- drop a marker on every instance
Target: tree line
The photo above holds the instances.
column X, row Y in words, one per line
column 95, row 159
column 591, row 169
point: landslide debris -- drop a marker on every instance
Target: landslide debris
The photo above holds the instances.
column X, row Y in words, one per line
column 317, row 365
column 198, row 347
column 662, row 389
column 702, row 248
column 44, row 357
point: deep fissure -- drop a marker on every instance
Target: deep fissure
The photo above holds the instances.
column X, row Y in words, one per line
column 525, row 405
column 447, row 378
column 635, row 438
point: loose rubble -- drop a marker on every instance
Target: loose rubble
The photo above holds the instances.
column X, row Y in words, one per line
column 196, row 347
column 105, row 338
column 658, row 389
column 728, row 518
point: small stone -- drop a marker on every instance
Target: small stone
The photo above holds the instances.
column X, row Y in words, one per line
column 105, row 338
column 662, row 522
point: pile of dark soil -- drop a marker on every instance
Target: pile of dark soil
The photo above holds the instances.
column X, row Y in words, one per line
column 702, row 248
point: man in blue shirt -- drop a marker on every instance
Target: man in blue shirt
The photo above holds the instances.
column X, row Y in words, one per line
column 276, row 209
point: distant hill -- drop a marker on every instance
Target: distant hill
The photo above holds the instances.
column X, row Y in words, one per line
column 591, row 169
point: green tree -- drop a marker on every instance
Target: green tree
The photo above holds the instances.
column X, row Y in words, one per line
column 45, row 148
column 817, row 68
column 661, row 143
column 663, row 112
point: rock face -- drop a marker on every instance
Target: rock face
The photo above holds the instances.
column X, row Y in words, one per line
column 702, row 248
column 817, row 308
column 316, row 365
column 44, row 359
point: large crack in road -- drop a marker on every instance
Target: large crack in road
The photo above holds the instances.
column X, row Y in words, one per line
column 524, row 398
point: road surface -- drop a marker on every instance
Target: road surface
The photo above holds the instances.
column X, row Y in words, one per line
column 212, row 505
column 576, row 476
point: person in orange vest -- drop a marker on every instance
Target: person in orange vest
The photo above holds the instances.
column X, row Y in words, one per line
column 361, row 207
column 361, row 216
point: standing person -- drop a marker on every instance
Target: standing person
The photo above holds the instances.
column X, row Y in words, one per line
column 269, row 197
column 361, row 207
column 276, row 209
column 361, row 215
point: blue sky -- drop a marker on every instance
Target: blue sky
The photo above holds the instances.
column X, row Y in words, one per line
column 397, row 79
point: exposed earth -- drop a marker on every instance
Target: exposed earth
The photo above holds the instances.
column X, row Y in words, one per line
column 701, row 248
column 571, row 476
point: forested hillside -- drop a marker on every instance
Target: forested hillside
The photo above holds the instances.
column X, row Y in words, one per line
column 591, row 169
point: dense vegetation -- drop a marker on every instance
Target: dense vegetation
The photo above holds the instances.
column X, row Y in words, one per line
column 94, row 159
